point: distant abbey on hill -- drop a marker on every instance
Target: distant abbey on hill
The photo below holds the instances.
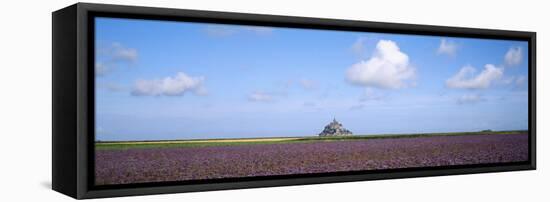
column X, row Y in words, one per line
column 335, row 128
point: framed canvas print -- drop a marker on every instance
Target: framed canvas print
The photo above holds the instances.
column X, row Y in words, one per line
column 154, row 100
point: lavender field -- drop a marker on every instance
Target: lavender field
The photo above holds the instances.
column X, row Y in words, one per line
column 140, row 165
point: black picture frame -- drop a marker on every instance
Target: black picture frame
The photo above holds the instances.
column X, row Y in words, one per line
column 73, row 99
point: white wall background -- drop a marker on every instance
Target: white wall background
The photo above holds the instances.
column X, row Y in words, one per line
column 25, row 102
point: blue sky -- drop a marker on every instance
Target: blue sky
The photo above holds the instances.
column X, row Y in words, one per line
column 176, row 80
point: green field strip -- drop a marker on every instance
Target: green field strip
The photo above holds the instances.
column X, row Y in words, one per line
column 114, row 145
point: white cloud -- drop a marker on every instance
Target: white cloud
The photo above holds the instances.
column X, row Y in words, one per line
column 260, row 97
column 371, row 95
column 517, row 80
column 310, row 104
column 220, row 30
column 359, row 46
column 357, row 107
column 258, row 29
column 508, row 80
column 113, row 56
column 100, row 69
column 447, row 48
column 177, row 85
column 308, row 84
column 113, row 87
column 229, row 30
column 119, row 52
column 99, row 130
column 388, row 68
column 520, row 80
column 513, row 57
column 466, row 78
column 469, row 99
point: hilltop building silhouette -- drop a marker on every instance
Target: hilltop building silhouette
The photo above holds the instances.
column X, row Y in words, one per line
column 335, row 128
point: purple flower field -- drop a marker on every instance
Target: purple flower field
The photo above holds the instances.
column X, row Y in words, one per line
column 195, row 163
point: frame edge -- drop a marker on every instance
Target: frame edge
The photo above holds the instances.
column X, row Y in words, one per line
column 64, row 145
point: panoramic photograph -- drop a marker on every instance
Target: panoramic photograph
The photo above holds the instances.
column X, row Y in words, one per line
column 185, row 101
